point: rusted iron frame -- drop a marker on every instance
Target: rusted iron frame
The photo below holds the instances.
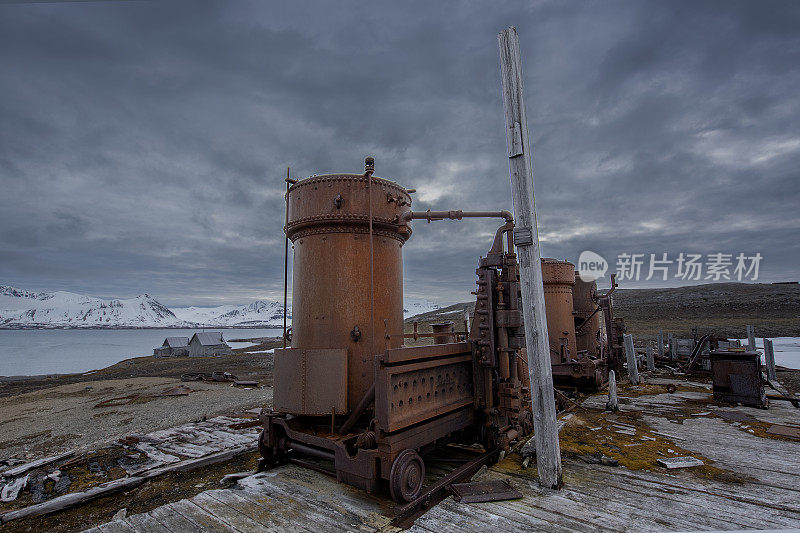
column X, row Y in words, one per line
column 417, row 335
column 407, row 514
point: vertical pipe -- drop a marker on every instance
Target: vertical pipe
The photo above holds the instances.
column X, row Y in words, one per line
column 286, row 257
column 369, row 165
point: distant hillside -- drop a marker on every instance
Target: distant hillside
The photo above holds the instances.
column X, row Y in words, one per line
column 725, row 308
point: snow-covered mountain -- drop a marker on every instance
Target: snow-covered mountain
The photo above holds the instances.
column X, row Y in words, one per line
column 258, row 313
column 25, row 309
column 20, row 308
column 413, row 307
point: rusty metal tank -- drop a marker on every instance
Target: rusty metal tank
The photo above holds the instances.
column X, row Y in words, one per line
column 558, row 278
column 328, row 225
column 587, row 317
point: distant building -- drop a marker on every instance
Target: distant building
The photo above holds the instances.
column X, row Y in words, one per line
column 173, row 347
column 208, row 343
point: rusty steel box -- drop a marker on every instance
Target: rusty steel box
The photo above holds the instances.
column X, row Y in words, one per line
column 299, row 375
column 737, row 378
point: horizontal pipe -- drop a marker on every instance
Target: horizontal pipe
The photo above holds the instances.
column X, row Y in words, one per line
column 454, row 215
column 313, row 451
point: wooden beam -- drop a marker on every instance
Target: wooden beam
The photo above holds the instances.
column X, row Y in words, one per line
column 769, row 360
column 613, row 403
column 526, row 239
column 633, row 370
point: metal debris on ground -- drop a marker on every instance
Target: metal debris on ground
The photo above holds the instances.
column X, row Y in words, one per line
column 484, row 491
column 181, row 390
column 209, row 376
column 784, row 431
column 11, row 489
column 679, row 462
column 244, row 383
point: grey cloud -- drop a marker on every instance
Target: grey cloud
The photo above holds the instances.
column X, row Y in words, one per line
column 143, row 144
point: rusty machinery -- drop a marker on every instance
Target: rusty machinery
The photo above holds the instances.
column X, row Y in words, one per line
column 581, row 351
column 348, row 391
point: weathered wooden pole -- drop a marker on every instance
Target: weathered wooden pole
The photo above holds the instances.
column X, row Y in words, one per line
column 526, row 239
column 769, row 360
column 751, row 338
column 612, row 404
column 661, row 343
column 651, row 364
column 673, row 349
column 633, row 370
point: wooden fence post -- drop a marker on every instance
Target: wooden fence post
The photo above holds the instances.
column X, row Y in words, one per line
column 769, row 360
column 612, row 404
column 526, row 239
column 751, row 339
column 633, row 370
column 673, row 349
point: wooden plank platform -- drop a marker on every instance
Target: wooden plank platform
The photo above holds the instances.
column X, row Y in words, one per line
column 594, row 497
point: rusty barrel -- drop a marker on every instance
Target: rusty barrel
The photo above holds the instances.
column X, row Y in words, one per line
column 587, row 321
column 444, row 328
column 328, row 225
column 558, row 278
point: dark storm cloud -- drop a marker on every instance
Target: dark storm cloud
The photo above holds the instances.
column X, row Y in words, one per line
column 143, row 144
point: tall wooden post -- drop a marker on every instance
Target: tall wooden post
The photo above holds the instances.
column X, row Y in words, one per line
column 673, row 349
column 633, row 370
column 769, row 360
column 751, row 339
column 613, row 403
column 526, row 239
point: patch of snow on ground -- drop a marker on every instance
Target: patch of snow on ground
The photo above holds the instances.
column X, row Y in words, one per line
column 787, row 350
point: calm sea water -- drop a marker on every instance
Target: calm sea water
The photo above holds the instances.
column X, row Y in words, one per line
column 56, row 351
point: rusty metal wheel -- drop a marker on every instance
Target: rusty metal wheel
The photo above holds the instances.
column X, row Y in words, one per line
column 406, row 477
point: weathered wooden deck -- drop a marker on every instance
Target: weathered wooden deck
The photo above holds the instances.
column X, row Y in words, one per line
column 594, row 497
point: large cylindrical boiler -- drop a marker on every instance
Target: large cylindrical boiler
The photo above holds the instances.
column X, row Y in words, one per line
column 329, row 217
column 558, row 278
column 587, row 317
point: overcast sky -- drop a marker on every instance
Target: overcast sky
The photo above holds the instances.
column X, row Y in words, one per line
column 143, row 144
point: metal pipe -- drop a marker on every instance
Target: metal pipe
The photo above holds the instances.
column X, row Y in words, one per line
column 286, row 257
column 453, row 215
column 313, row 451
column 369, row 169
column 368, row 398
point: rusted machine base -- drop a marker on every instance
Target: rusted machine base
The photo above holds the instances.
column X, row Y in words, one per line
column 360, row 458
column 587, row 374
column 407, row 514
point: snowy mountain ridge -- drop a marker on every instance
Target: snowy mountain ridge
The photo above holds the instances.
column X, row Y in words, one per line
column 26, row 309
